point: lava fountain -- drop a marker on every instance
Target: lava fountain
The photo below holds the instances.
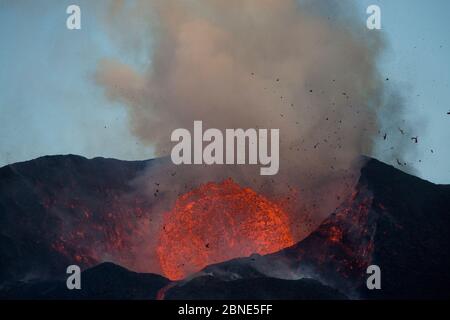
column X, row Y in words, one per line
column 217, row 222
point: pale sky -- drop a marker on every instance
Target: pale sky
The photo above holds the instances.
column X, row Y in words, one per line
column 49, row 103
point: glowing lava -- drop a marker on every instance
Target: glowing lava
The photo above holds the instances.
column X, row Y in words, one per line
column 218, row 222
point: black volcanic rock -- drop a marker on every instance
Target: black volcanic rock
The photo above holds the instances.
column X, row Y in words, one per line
column 108, row 281
column 104, row 281
column 412, row 238
column 261, row 288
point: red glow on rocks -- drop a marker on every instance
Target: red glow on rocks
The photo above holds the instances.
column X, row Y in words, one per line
column 335, row 234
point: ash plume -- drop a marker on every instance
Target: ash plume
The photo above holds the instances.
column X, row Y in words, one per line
column 303, row 67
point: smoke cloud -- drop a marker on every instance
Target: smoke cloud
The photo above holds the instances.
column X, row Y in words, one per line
column 307, row 69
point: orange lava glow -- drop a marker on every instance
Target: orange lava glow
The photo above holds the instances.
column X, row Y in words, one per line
column 218, row 222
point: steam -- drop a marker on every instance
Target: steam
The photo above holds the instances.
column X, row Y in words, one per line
column 307, row 69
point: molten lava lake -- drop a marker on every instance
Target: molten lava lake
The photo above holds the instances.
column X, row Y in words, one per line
column 217, row 222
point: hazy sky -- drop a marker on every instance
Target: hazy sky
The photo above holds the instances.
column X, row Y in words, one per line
column 49, row 103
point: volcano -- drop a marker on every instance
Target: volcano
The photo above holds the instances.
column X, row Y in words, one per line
column 62, row 210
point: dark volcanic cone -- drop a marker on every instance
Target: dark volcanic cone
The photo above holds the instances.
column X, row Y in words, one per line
column 54, row 209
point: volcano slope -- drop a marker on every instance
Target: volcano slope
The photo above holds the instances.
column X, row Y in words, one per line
column 394, row 220
column 55, row 210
